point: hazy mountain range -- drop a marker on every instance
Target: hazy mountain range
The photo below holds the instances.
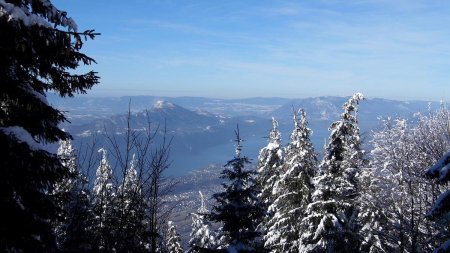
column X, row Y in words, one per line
column 203, row 128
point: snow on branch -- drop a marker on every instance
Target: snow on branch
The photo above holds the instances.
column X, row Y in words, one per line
column 16, row 13
column 51, row 15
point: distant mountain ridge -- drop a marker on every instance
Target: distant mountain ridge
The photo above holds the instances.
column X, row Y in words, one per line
column 198, row 137
column 202, row 128
column 105, row 106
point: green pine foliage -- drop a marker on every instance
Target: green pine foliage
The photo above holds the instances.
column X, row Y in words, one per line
column 238, row 209
column 39, row 49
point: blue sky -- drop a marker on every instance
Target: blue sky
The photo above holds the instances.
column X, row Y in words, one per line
column 235, row 48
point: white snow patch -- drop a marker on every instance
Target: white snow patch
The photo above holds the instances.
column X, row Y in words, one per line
column 16, row 13
column 161, row 104
column 273, row 146
column 325, row 221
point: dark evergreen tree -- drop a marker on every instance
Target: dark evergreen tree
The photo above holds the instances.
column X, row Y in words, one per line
column 293, row 190
column 238, row 208
column 39, row 47
column 330, row 224
column 78, row 235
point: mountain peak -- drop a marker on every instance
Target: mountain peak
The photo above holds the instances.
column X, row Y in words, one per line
column 161, row 104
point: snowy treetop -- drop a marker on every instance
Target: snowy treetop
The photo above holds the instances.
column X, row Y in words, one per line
column 104, row 152
column 202, row 208
column 238, row 143
column 302, row 121
column 274, row 136
column 351, row 106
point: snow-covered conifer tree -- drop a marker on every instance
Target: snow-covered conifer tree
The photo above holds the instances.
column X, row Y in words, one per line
column 330, row 222
column 268, row 172
column 67, row 154
column 201, row 237
column 131, row 231
column 371, row 218
column 173, row 240
column 73, row 229
column 269, row 165
column 39, row 51
column 293, row 190
column 103, row 197
column 130, row 185
column 238, row 208
column 64, row 188
column 103, row 190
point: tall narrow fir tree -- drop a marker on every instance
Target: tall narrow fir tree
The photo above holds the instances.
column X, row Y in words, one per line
column 103, row 197
column 238, row 209
column 293, row 190
column 269, row 168
column 330, row 222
